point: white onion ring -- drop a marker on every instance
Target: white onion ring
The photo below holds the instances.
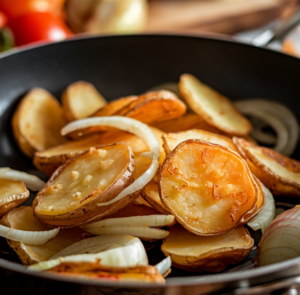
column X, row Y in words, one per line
column 164, row 265
column 28, row 237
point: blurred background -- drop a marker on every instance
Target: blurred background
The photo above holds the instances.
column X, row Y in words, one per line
column 24, row 22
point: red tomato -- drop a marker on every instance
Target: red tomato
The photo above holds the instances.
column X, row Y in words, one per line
column 38, row 26
column 2, row 20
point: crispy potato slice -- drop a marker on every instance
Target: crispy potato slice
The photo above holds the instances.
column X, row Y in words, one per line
column 112, row 107
column 140, row 201
column 214, row 108
column 80, row 100
column 280, row 174
column 171, row 140
column 197, row 253
column 12, row 194
column 133, row 210
column 71, row 195
column 37, row 122
column 49, row 160
column 22, row 218
column 151, row 194
column 119, row 274
column 208, row 187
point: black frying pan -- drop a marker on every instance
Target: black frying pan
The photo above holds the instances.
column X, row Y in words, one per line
column 126, row 65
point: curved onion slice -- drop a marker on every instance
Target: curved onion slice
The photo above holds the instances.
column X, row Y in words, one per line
column 28, row 237
column 132, row 126
column 114, row 250
column 150, row 221
column 164, row 265
column 31, row 181
column 264, row 218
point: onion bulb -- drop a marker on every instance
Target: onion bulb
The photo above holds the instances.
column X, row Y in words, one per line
column 281, row 240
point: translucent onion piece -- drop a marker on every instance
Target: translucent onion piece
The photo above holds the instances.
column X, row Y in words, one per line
column 150, row 221
column 264, row 218
column 142, row 232
column 119, row 251
column 28, row 237
column 31, row 181
column 266, row 109
column 164, row 265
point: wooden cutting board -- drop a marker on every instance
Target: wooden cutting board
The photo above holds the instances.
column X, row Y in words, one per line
column 221, row 16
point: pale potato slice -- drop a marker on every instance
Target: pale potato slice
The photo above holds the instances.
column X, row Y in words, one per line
column 80, row 100
column 23, row 219
column 112, row 107
column 72, row 193
column 12, row 194
column 151, row 194
column 214, row 108
column 208, row 187
column 37, row 122
column 49, row 160
column 171, row 140
column 280, row 174
column 197, row 253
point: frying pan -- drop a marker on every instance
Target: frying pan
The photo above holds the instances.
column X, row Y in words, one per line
column 126, row 65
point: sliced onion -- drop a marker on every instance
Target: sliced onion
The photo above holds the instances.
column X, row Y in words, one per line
column 28, row 237
column 132, row 126
column 142, row 232
column 31, row 181
column 164, row 265
column 264, row 218
column 281, row 240
column 150, row 221
column 118, row 251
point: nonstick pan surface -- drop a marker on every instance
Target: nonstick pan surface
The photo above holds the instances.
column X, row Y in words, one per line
column 126, row 65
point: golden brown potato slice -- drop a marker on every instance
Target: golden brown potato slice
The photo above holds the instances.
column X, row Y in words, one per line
column 49, row 160
column 112, row 107
column 116, row 274
column 171, row 140
column 80, row 100
column 151, row 194
column 197, row 253
column 12, row 194
column 280, row 174
column 214, row 108
column 37, row 122
column 208, row 187
column 141, row 202
column 133, row 210
column 71, row 195
column 23, row 219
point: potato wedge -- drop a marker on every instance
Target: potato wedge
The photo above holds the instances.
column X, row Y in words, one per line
column 151, row 194
column 71, row 195
column 197, row 253
column 280, row 174
column 208, row 187
column 117, row 274
column 12, row 194
column 37, row 122
column 49, row 160
column 211, row 106
column 80, row 100
column 171, row 140
column 22, row 218
column 112, row 107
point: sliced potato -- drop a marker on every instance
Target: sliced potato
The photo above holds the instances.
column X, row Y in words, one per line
column 12, row 194
column 71, row 195
column 80, row 100
column 280, row 174
column 171, row 140
column 117, row 274
column 208, row 187
column 22, row 218
column 112, row 107
column 37, row 122
column 133, row 210
column 151, row 194
column 214, row 108
column 141, row 201
column 49, row 160
column 197, row 253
